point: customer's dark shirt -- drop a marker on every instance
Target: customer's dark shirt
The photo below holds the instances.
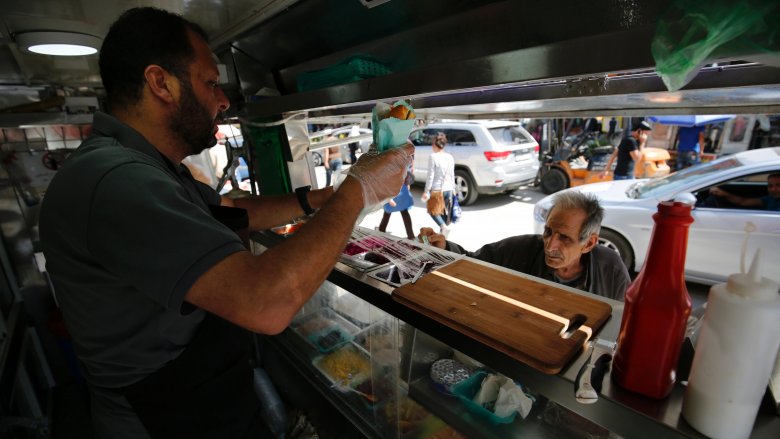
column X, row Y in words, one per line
column 605, row 274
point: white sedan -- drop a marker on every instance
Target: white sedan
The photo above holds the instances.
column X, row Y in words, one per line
column 718, row 231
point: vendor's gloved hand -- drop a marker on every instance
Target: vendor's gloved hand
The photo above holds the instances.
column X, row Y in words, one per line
column 381, row 175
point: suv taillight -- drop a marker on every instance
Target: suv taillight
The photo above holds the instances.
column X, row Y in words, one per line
column 492, row 156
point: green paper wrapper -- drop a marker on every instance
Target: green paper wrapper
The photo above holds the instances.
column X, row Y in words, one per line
column 390, row 132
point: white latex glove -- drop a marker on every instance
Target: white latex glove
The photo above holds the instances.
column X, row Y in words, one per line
column 381, row 175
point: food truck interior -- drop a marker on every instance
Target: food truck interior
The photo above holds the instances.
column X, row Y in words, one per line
column 286, row 64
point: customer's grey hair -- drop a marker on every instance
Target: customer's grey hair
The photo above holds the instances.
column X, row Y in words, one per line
column 588, row 203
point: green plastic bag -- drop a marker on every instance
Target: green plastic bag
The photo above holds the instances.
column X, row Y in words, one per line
column 693, row 33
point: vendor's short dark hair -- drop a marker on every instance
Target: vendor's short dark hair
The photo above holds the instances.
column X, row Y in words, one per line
column 138, row 38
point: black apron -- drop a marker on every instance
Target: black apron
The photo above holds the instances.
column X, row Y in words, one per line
column 207, row 391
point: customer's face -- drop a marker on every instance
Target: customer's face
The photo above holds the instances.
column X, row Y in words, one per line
column 562, row 245
column 201, row 101
column 773, row 187
column 441, row 140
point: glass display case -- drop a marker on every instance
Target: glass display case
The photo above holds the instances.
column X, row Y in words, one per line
column 392, row 373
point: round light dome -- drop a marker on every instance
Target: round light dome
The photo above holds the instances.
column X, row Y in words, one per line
column 58, row 43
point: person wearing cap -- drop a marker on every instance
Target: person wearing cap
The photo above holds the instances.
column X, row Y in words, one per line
column 627, row 153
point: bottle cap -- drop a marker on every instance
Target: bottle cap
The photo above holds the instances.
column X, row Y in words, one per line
column 752, row 284
column 674, row 208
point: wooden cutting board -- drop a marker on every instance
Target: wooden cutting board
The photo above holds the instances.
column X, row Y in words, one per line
column 518, row 316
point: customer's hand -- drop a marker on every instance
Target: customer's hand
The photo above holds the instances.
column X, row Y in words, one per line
column 381, row 175
column 428, row 236
column 425, row 197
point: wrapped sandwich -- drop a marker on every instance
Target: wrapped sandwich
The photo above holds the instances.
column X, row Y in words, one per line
column 392, row 124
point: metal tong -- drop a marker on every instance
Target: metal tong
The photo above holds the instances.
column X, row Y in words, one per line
column 587, row 386
column 423, row 267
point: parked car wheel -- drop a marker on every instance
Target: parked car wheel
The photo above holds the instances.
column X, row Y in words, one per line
column 465, row 187
column 317, row 158
column 554, row 180
column 613, row 240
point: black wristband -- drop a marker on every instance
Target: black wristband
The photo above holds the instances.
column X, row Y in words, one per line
column 301, row 193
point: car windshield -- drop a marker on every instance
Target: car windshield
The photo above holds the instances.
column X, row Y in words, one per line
column 510, row 135
column 656, row 187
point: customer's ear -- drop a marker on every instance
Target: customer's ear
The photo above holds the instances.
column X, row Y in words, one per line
column 593, row 241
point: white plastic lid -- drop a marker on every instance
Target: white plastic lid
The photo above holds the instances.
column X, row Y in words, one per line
column 752, row 284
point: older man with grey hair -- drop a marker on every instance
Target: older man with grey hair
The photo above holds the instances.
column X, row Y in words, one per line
column 567, row 252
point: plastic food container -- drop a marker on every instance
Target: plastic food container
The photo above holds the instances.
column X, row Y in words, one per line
column 466, row 390
column 446, row 373
column 378, row 336
column 346, row 368
column 325, row 330
column 365, row 260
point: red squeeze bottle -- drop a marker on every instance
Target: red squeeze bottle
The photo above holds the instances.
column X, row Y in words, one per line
column 657, row 306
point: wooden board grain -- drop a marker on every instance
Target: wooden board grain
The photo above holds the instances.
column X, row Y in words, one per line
column 518, row 316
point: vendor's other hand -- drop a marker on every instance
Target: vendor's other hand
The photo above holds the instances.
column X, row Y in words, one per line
column 381, row 175
column 433, row 238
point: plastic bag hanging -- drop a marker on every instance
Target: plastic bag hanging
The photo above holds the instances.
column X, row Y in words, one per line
column 693, row 33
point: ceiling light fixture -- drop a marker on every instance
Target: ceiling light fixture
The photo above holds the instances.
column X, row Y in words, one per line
column 58, row 43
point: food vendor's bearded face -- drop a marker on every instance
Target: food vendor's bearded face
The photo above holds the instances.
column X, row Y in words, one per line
column 201, row 101
column 563, row 247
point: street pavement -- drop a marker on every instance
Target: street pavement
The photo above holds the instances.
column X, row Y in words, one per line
column 489, row 219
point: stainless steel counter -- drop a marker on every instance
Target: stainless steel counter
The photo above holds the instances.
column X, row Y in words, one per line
column 621, row 412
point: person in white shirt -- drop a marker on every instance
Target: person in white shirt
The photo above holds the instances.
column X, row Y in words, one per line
column 440, row 183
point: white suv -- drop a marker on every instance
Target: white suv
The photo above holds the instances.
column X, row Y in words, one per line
column 491, row 157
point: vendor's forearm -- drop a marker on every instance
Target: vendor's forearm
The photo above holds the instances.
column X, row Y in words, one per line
column 274, row 210
column 263, row 293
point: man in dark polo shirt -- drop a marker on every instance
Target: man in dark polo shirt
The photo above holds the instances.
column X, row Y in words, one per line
column 566, row 253
column 157, row 290
column 628, row 153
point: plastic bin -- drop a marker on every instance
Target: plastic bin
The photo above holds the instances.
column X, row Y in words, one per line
column 325, row 330
column 466, row 390
column 355, row 68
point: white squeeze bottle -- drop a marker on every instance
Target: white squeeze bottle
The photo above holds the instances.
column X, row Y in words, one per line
column 734, row 355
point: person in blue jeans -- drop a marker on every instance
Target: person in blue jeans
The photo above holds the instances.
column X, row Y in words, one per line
column 401, row 203
column 440, row 183
column 627, row 153
column 691, row 140
column 332, row 162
